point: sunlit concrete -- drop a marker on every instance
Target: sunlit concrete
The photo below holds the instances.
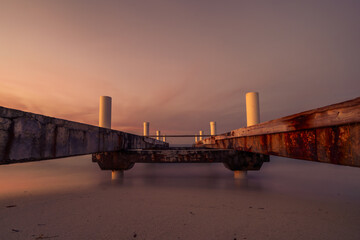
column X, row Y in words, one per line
column 252, row 108
column 117, row 175
column 213, row 128
column 146, row 128
column 105, row 112
column 240, row 174
column 252, row 118
column 157, row 135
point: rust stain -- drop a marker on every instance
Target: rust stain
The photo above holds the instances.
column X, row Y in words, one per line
column 335, row 144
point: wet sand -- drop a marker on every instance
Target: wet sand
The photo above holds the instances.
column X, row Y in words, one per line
column 73, row 199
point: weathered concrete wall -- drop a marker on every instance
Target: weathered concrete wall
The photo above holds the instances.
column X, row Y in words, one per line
column 30, row 137
column 329, row 134
column 336, row 145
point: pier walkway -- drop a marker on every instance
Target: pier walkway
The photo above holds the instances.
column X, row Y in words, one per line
column 330, row 134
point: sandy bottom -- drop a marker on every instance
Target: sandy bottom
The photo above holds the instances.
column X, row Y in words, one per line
column 286, row 200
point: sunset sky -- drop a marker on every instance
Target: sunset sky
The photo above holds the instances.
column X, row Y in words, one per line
column 177, row 64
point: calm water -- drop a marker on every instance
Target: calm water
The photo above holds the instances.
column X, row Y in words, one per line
column 70, row 198
column 280, row 176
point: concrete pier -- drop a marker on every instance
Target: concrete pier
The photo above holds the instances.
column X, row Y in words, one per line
column 28, row 137
column 328, row 134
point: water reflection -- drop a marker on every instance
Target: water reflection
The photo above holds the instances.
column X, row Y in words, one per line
column 281, row 175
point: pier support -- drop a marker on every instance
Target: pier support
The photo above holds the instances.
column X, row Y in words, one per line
column 212, row 128
column 105, row 112
column 117, row 175
column 240, row 174
column 157, row 135
column 146, row 129
column 252, row 108
column 105, row 122
column 252, row 118
column 200, row 135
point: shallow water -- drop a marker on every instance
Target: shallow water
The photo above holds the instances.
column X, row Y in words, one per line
column 281, row 176
column 73, row 199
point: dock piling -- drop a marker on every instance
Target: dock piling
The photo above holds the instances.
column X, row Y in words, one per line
column 146, row 129
column 157, row 135
column 105, row 112
column 212, row 128
column 252, row 108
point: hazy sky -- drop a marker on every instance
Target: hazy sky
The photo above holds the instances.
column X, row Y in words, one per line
column 178, row 64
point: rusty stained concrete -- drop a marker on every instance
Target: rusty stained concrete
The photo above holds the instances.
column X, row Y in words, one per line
column 328, row 134
column 336, row 144
column 27, row 137
column 232, row 159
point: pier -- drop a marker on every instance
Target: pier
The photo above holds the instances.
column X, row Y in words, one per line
column 329, row 134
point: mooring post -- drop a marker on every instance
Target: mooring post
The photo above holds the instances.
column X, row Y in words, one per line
column 252, row 118
column 200, row 135
column 252, row 108
column 105, row 122
column 157, row 135
column 105, row 112
column 212, row 128
column 164, row 138
column 196, row 138
column 146, row 129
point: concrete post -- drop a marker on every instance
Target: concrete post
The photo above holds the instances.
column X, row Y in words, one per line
column 212, row 128
column 200, row 133
column 157, row 135
column 252, row 108
column 240, row 174
column 146, row 129
column 117, row 175
column 196, row 138
column 105, row 122
column 164, row 138
column 252, row 118
column 105, row 112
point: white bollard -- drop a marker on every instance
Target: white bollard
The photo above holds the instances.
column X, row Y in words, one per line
column 212, row 128
column 157, row 135
column 105, row 112
column 252, row 118
column 200, row 133
column 252, row 108
column 105, row 122
column 146, row 129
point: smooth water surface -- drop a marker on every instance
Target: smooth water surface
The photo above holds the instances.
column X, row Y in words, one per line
column 73, row 199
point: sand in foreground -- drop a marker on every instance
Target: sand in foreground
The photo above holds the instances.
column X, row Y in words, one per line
column 184, row 202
